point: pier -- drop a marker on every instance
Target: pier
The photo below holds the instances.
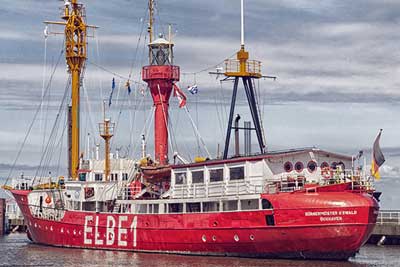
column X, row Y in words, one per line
column 387, row 229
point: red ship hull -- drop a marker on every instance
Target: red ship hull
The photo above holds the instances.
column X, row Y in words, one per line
column 327, row 225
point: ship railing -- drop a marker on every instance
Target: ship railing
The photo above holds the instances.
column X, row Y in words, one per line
column 219, row 188
column 389, row 217
column 47, row 213
column 233, row 66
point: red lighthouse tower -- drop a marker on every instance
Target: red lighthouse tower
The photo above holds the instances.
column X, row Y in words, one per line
column 160, row 76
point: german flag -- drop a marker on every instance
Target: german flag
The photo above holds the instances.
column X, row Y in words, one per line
column 377, row 157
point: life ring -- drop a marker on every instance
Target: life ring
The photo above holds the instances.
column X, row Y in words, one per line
column 327, row 173
column 48, row 200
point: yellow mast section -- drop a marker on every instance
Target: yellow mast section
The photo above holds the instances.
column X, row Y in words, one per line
column 75, row 52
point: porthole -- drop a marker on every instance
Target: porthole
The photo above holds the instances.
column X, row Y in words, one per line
column 236, row 237
column 214, row 238
column 204, row 238
column 312, row 166
column 324, row 165
column 252, row 237
column 299, row 167
column 288, row 166
column 333, row 165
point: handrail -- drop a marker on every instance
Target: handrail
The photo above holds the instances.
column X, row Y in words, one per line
column 389, row 217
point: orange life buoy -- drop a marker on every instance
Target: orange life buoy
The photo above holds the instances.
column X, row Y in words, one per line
column 48, row 200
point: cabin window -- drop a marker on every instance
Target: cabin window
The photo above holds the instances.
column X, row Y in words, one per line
column 114, row 176
column 180, row 178
column 249, row 204
column 82, row 177
column 333, row 165
column 230, row 205
column 312, row 166
column 266, row 204
column 210, row 206
column 216, row 175
column 299, row 167
column 236, row 173
column 197, row 177
column 124, row 177
column 153, row 208
column 87, row 206
column 288, row 166
column 324, row 165
column 98, row 177
column 341, row 166
column 193, row 207
column 141, row 208
column 175, row 207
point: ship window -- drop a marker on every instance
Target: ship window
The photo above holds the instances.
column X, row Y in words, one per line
column 98, row 176
column 82, row 177
column 180, row 178
column 88, row 206
column 299, row 167
column 324, row 165
column 175, row 207
column 141, row 208
column 198, row 177
column 312, row 166
column 216, row 175
column 288, row 166
column 269, row 219
column 236, row 173
column 230, row 205
column 193, row 207
column 114, row 176
column 341, row 166
column 124, row 177
column 333, row 165
column 153, row 208
column 210, row 206
column 266, row 204
column 249, row 204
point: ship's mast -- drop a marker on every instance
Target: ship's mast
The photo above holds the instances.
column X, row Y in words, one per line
column 150, row 28
column 106, row 129
column 161, row 75
column 246, row 70
column 75, row 32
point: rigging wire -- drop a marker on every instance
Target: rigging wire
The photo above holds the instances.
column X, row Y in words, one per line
column 49, row 150
column 34, row 117
column 43, row 86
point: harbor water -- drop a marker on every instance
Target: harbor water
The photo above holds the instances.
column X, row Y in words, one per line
column 17, row 250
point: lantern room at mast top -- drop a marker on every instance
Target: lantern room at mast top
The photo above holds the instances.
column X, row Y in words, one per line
column 161, row 52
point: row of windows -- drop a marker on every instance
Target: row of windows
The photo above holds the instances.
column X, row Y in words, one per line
column 216, row 175
column 311, row 166
column 113, row 177
column 211, row 206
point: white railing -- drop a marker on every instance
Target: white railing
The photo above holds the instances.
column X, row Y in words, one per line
column 47, row 213
column 389, row 217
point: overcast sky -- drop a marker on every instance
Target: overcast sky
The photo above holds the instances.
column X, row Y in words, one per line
column 337, row 64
